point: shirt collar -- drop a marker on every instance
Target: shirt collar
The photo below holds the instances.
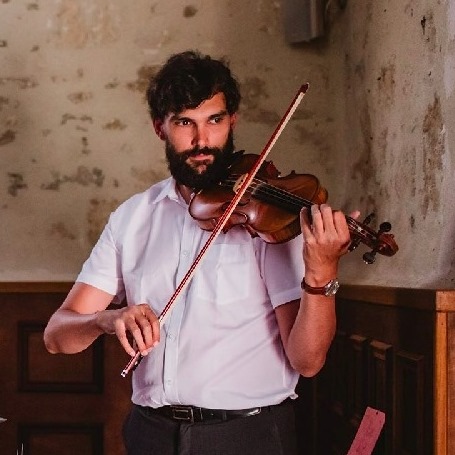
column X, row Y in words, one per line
column 169, row 190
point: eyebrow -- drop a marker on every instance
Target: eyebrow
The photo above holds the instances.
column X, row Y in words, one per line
column 221, row 113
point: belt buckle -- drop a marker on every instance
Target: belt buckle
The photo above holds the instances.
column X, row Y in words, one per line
column 184, row 413
column 253, row 412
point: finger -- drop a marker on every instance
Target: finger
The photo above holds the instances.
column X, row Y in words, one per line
column 342, row 230
column 137, row 332
column 305, row 223
column 132, row 320
column 120, row 331
column 323, row 223
column 316, row 217
column 341, row 226
column 156, row 331
column 355, row 214
column 327, row 222
column 150, row 327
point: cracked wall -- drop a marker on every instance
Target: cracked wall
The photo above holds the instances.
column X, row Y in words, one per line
column 76, row 139
column 399, row 135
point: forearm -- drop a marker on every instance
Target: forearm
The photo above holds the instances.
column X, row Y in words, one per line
column 307, row 336
column 69, row 332
column 311, row 334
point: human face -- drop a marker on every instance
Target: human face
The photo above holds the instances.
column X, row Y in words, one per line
column 216, row 166
column 198, row 142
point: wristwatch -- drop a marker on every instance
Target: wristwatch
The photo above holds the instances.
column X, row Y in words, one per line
column 328, row 290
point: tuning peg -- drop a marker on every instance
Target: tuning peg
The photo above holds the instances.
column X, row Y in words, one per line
column 369, row 218
column 353, row 245
column 356, row 242
column 369, row 257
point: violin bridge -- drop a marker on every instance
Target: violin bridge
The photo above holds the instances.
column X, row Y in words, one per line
column 239, row 182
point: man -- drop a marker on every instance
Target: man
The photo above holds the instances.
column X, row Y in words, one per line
column 218, row 377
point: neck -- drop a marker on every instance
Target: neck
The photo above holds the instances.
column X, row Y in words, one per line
column 185, row 191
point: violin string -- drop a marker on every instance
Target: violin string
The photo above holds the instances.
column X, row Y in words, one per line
column 361, row 231
column 283, row 195
column 270, row 192
column 259, row 187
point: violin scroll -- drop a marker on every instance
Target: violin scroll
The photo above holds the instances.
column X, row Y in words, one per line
column 379, row 242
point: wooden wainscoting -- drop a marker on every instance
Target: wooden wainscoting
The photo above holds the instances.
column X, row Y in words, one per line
column 394, row 351
column 56, row 404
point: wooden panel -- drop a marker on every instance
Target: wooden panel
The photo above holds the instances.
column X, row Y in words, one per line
column 410, row 400
column 440, row 384
column 382, row 357
column 56, row 399
column 391, row 351
column 357, row 379
column 55, row 438
column 380, row 375
column 380, row 394
column 39, row 372
column 450, row 409
column 417, row 299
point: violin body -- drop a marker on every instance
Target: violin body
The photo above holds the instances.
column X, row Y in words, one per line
column 270, row 208
column 263, row 210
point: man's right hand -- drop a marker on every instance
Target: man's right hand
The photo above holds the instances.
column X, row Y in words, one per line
column 84, row 316
column 138, row 320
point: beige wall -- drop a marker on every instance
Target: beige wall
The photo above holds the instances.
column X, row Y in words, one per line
column 75, row 137
column 399, row 143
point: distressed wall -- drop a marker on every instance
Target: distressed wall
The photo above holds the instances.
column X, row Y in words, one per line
column 75, row 137
column 399, row 143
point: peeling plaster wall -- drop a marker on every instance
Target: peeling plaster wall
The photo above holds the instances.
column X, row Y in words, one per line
column 75, row 136
column 399, row 136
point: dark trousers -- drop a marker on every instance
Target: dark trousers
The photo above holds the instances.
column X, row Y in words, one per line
column 271, row 432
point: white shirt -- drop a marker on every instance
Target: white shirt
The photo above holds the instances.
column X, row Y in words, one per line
column 220, row 345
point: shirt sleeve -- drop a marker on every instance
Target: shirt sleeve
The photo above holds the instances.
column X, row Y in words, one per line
column 103, row 267
column 282, row 270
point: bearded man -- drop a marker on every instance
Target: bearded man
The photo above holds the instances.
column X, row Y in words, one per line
column 219, row 376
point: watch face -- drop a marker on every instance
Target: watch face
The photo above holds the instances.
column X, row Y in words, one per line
column 332, row 287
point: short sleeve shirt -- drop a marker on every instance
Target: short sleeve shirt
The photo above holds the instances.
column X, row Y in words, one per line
column 220, row 345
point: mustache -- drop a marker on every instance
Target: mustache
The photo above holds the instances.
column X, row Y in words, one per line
column 199, row 151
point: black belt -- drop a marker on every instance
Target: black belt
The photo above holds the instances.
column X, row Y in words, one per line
column 193, row 414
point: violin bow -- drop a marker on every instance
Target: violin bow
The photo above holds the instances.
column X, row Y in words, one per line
column 240, row 190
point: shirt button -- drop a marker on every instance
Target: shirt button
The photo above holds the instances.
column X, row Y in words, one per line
column 168, row 381
column 185, row 253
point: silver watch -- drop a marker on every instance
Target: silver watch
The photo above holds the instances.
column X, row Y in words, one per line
column 328, row 290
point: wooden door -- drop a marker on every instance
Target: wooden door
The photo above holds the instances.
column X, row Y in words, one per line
column 56, row 404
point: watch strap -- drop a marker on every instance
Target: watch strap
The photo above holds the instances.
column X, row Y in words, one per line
column 328, row 290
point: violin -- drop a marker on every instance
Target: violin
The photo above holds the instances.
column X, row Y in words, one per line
column 270, row 207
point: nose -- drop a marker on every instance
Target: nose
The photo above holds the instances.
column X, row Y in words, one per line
column 200, row 137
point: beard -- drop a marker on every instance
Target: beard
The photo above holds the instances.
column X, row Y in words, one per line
column 215, row 171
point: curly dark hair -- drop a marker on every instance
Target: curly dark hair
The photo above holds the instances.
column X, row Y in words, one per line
column 186, row 80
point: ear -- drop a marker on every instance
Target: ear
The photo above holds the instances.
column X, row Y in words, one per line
column 233, row 119
column 158, row 127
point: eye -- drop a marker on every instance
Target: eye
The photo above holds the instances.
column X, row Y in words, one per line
column 217, row 119
column 182, row 122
